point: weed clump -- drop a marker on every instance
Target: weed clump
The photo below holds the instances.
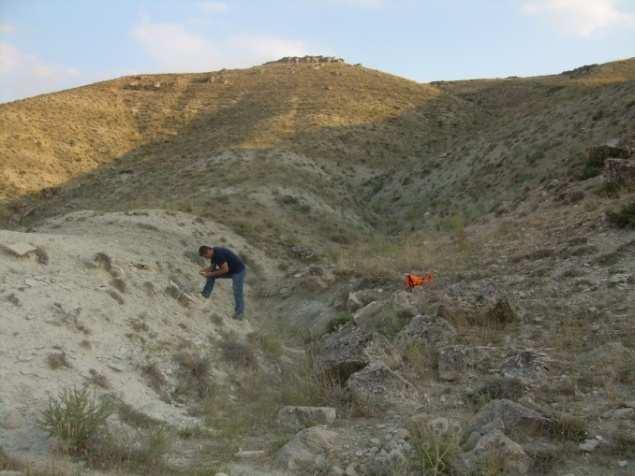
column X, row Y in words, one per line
column 434, row 451
column 338, row 322
column 74, row 418
column 238, row 354
column 194, row 377
column 57, row 360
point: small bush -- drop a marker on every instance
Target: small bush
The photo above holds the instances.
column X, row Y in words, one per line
column 338, row 322
column 238, row 354
column 433, row 452
column 74, row 418
column 624, row 218
column 271, row 344
column 194, row 376
column 570, row 428
column 57, row 360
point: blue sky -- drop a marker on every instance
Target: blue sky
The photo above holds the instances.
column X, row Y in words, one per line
column 48, row 45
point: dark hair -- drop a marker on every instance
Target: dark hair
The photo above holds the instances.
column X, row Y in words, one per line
column 203, row 250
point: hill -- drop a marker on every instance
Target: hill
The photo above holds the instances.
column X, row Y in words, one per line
column 331, row 181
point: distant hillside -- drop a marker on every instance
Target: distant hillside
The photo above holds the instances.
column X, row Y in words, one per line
column 320, row 150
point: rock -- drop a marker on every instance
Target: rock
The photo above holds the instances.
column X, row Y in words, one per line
column 528, row 365
column 11, row 473
column 454, row 360
column 511, row 418
column 297, row 418
column 19, row 250
column 349, row 350
column 376, row 388
column 365, row 315
column 358, row 299
column 433, row 332
column 619, row 171
column 589, row 445
column 403, row 305
column 498, row 388
column 495, row 448
column 252, row 454
column 304, row 449
column 620, row 413
column 11, row 420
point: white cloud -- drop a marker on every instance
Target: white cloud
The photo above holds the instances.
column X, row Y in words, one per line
column 213, row 7
column 6, row 29
column 581, row 17
column 23, row 74
column 175, row 49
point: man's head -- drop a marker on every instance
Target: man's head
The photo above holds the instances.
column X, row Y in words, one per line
column 206, row 251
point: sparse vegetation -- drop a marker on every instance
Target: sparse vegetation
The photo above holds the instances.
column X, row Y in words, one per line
column 195, row 374
column 433, row 451
column 74, row 417
column 335, row 324
column 238, row 353
column 57, row 360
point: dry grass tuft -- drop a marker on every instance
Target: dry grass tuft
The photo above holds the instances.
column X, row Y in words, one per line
column 57, row 360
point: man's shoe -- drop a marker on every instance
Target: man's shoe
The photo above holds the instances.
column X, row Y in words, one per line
column 238, row 317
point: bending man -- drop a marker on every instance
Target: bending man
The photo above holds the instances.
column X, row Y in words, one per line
column 224, row 265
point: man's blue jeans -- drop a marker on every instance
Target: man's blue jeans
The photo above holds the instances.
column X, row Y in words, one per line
column 238, row 280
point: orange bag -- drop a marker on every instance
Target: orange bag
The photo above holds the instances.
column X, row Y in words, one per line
column 413, row 280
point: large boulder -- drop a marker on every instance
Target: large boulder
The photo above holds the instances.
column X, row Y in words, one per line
column 494, row 450
column 297, row 418
column 432, row 332
column 358, row 299
column 307, row 451
column 376, row 388
column 455, row 360
column 511, row 418
column 343, row 353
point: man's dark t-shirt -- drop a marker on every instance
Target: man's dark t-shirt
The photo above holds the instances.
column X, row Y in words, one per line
column 223, row 255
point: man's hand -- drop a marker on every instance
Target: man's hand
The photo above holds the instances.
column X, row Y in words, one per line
column 205, row 272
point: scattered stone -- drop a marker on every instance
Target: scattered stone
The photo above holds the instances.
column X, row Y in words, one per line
column 511, row 418
column 495, row 447
column 434, row 332
column 403, row 304
column 297, row 418
column 377, row 387
column 302, row 452
column 345, row 352
column 454, row 360
column 364, row 316
column 589, row 445
column 358, row 299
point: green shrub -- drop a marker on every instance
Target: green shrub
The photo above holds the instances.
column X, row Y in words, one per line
column 625, row 218
column 74, row 418
column 338, row 322
column 433, row 451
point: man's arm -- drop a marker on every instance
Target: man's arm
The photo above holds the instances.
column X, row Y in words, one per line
column 223, row 269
